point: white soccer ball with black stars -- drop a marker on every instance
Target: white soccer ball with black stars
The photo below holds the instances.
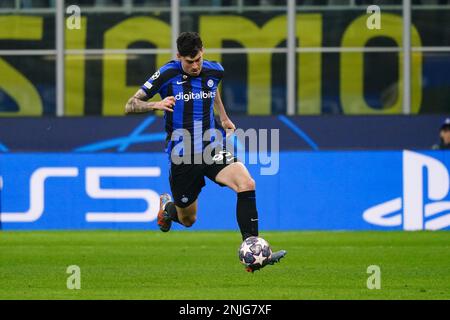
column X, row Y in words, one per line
column 255, row 252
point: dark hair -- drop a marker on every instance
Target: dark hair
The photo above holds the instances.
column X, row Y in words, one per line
column 189, row 44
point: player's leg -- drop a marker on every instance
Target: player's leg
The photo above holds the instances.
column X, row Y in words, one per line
column 188, row 215
column 237, row 177
column 186, row 182
column 169, row 212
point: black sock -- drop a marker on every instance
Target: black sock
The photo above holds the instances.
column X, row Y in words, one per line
column 172, row 211
column 246, row 213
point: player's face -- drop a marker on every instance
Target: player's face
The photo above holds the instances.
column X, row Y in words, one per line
column 445, row 135
column 192, row 65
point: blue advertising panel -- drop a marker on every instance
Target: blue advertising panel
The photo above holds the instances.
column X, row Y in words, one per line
column 146, row 133
column 301, row 190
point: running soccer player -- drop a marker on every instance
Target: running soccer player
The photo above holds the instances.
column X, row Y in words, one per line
column 188, row 87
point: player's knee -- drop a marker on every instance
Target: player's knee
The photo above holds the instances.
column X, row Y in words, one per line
column 188, row 221
column 247, row 184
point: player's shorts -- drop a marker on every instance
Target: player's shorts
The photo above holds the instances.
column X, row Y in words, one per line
column 187, row 180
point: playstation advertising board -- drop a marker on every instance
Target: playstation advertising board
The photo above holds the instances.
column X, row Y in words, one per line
column 296, row 190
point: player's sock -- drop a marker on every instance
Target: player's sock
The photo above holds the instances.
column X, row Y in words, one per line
column 172, row 211
column 247, row 216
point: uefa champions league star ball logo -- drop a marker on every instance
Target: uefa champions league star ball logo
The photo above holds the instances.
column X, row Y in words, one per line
column 155, row 75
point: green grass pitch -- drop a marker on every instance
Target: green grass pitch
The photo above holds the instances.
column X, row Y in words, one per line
column 204, row 265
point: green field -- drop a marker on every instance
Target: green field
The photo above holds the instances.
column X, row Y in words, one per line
column 204, row 265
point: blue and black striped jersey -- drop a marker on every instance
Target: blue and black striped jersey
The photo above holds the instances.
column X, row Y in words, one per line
column 194, row 101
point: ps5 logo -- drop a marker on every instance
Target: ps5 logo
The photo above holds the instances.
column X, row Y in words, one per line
column 93, row 188
column 424, row 178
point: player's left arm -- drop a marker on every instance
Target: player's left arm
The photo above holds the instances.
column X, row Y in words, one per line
column 225, row 121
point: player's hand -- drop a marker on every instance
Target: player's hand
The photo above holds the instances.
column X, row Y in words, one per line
column 229, row 126
column 167, row 104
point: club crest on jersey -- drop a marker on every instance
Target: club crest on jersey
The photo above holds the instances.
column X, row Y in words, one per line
column 155, row 75
column 210, row 83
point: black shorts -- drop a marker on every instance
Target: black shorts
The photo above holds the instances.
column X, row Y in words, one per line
column 187, row 180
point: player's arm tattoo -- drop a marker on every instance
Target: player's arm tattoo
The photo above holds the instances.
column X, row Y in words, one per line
column 138, row 103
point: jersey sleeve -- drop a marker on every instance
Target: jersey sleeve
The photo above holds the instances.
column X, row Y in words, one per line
column 220, row 67
column 214, row 69
column 158, row 80
column 220, row 70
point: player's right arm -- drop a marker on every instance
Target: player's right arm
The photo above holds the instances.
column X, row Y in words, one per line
column 138, row 103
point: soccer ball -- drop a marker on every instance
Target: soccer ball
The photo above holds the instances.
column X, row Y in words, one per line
column 255, row 252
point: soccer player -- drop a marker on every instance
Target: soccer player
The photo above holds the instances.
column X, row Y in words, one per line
column 188, row 87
